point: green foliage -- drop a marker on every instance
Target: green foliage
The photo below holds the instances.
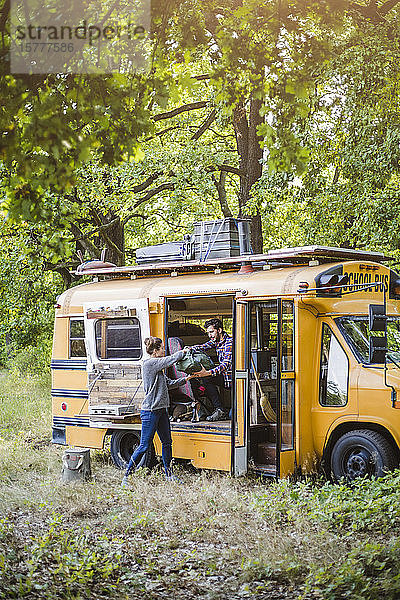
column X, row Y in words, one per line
column 366, row 505
column 347, row 195
column 32, row 359
column 60, row 563
column 369, row 572
column 27, row 295
column 353, row 515
column 78, row 122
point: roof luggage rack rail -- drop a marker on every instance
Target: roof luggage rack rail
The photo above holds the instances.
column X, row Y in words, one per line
column 273, row 258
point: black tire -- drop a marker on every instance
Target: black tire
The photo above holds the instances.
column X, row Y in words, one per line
column 362, row 453
column 123, row 443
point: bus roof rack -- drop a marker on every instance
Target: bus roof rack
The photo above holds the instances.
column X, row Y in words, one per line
column 277, row 258
column 328, row 252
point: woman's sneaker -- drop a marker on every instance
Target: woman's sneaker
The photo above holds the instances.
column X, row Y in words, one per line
column 125, row 482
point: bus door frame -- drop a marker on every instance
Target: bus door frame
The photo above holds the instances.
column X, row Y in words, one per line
column 239, row 454
column 240, row 388
column 285, row 458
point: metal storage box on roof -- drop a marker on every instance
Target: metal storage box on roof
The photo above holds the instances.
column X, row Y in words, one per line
column 216, row 239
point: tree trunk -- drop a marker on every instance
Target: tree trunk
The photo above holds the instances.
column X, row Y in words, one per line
column 110, row 235
column 115, row 243
column 250, row 157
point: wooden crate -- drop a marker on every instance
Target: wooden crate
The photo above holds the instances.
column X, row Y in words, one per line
column 115, row 386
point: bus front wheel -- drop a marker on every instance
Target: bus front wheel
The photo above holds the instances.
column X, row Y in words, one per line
column 123, row 443
column 361, row 453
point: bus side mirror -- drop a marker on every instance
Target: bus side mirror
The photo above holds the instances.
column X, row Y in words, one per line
column 377, row 317
column 377, row 349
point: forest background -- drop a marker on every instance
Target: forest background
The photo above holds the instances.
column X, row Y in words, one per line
column 284, row 111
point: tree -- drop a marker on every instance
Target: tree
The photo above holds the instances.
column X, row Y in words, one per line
column 264, row 61
column 51, row 124
column 276, row 109
column 259, row 63
column 27, row 293
column 349, row 194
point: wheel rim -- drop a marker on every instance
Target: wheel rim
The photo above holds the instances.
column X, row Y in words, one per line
column 358, row 462
column 127, row 445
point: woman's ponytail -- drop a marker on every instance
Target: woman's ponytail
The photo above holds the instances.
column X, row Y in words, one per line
column 152, row 343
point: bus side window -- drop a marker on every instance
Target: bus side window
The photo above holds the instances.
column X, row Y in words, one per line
column 118, row 339
column 334, row 371
column 76, row 338
column 287, row 335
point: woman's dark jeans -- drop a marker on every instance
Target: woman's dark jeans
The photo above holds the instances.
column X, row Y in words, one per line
column 154, row 421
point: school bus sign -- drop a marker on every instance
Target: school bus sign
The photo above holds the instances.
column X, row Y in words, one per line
column 364, row 274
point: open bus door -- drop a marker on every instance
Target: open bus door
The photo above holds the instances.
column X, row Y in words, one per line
column 286, row 393
column 114, row 335
column 263, row 434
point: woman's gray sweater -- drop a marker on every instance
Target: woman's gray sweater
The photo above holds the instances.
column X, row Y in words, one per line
column 156, row 383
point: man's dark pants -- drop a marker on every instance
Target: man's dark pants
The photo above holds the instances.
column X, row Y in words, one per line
column 211, row 385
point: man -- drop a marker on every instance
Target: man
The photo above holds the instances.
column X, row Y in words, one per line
column 221, row 375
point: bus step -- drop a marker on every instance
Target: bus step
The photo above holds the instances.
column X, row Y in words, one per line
column 267, row 470
column 266, row 453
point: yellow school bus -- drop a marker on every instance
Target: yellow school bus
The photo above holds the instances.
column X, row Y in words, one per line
column 307, row 390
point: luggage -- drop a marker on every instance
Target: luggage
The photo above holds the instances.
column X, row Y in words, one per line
column 169, row 251
column 175, row 344
column 221, row 238
column 192, row 362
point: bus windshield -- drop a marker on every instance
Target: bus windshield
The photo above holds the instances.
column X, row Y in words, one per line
column 357, row 332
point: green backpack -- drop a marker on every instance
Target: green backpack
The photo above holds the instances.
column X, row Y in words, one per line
column 192, row 362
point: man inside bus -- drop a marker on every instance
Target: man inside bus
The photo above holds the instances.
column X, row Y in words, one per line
column 221, row 375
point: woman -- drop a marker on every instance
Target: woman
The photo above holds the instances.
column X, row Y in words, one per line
column 154, row 412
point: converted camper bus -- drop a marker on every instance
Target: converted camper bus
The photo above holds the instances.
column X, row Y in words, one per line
column 316, row 339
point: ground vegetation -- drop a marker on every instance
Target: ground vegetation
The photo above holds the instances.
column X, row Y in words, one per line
column 211, row 536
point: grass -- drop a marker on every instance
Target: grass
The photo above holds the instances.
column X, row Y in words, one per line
column 211, row 537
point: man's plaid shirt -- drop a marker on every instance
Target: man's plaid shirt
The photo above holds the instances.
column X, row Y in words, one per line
column 224, row 353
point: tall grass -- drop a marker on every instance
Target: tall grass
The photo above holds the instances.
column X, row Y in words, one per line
column 25, row 405
column 211, row 537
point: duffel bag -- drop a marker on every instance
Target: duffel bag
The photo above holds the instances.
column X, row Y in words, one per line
column 192, row 362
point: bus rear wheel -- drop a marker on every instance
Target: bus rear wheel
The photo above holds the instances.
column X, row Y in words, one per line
column 123, row 443
column 362, row 453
